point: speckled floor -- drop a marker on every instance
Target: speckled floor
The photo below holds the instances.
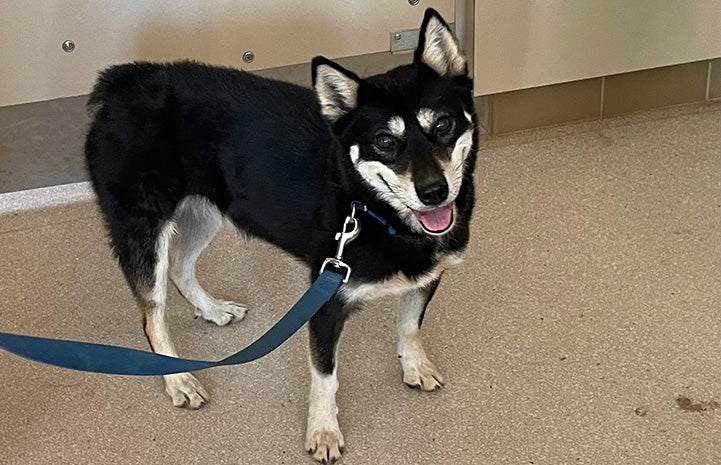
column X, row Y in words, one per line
column 584, row 326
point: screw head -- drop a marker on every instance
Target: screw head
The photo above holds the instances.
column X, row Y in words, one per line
column 414, row 2
column 397, row 36
column 68, row 46
column 248, row 57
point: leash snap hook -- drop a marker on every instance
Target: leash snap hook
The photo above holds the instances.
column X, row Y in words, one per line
column 351, row 229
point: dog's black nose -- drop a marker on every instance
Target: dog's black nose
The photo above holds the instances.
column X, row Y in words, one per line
column 433, row 193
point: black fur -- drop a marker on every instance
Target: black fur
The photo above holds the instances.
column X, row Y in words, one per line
column 324, row 330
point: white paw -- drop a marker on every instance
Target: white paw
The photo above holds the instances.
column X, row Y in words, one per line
column 222, row 312
column 185, row 390
column 325, row 445
column 422, row 374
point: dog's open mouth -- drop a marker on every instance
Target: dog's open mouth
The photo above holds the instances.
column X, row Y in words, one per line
column 436, row 221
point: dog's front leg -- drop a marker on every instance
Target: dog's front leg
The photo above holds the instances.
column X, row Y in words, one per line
column 418, row 371
column 324, row 441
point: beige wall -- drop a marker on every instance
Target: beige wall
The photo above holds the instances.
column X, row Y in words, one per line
column 528, row 43
column 34, row 67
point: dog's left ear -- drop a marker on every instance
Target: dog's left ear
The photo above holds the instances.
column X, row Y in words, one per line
column 438, row 47
column 336, row 88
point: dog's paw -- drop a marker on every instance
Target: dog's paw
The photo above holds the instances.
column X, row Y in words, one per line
column 222, row 312
column 422, row 374
column 186, row 391
column 325, row 445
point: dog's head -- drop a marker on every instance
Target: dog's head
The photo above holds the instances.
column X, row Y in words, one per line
column 408, row 132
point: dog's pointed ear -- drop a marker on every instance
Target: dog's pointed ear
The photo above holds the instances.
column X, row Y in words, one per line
column 438, row 48
column 335, row 87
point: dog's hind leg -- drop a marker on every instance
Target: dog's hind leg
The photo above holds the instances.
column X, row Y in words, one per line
column 197, row 222
column 183, row 388
column 142, row 250
column 418, row 371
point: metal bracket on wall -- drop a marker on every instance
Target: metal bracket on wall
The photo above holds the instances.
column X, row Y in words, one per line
column 407, row 40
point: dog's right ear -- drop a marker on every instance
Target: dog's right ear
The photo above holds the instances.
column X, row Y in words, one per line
column 336, row 88
column 438, row 48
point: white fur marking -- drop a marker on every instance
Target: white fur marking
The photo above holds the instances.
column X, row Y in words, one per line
column 354, row 154
column 162, row 247
column 411, row 309
column 453, row 170
column 397, row 126
column 198, row 221
column 355, row 292
column 417, row 369
column 426, row 117
column 156, row 327
column 323, row 436
column 462, row 147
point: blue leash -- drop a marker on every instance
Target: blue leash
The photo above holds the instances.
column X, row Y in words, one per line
column 115, row 360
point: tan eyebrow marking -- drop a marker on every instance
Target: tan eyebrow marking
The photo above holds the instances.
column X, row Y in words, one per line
column 397, row 126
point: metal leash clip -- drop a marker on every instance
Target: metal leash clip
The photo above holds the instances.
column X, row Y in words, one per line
column 351, row 228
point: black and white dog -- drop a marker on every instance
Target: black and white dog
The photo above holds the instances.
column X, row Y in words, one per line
column 173, row 148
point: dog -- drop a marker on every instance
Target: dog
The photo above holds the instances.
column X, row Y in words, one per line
column 174, row 148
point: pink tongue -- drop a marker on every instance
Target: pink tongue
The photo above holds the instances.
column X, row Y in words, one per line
column 436, row 220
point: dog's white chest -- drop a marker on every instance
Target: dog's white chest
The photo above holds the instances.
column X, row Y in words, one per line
column 396, row 284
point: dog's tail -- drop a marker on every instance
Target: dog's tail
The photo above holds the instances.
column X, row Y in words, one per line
column 96, row 100
column 115, row 80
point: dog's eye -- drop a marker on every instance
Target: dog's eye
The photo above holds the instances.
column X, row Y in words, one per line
column 443, row 126
column 385, row 143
